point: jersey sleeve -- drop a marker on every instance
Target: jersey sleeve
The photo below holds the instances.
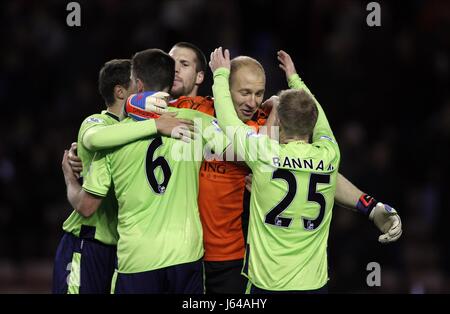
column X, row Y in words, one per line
column 93, row 121
column 99, row 136
column 213, row 136
column 247, row 143
column 98, row 178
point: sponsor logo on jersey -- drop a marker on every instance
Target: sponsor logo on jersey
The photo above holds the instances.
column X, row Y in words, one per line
column 214, row 167
column 325, row 137
column 94, row 120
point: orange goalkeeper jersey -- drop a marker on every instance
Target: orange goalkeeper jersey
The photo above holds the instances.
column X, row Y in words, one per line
column 221, row 193
column 199, row 103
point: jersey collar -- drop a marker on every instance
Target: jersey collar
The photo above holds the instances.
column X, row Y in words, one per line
column 112, row 115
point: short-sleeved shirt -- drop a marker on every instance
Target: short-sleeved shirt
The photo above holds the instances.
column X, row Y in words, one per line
column 156, row 184
column 102, row 225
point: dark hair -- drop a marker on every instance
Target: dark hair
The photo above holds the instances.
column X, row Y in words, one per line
column 155, row 68
column 297, row 112
column 201, row 59
column 113, row 73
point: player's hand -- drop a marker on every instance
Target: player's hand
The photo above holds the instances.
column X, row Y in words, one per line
column 219, row 59
column 271, row 103
column 248, row 182
column 388, row 221
column 286, row 63
column 74, row 161
column 182, row 129
column 66, row 167
column 157, row 103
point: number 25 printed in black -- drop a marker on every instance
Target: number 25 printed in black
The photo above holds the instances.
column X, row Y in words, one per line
column 273, row 217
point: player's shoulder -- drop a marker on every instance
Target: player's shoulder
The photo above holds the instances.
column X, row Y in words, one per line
column 100, row 118
column 326, row 140
column 129, row 120
column 327, row 144
column 95, row 118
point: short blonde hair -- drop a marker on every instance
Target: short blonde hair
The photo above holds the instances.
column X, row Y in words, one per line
column 245, row 61
column 297, row 112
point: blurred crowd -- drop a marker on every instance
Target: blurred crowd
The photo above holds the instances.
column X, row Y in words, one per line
column 385, row 90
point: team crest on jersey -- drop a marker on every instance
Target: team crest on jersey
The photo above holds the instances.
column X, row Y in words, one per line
column 161, row 189
column 327, row 138
column 309, row 225
column 94, row 120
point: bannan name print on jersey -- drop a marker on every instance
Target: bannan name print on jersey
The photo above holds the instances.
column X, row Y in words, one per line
column 298, row 163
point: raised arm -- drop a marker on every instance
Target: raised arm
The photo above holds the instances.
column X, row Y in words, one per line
column 347, row 194
column 236, row 130
column 322, row 127
column 220, row 67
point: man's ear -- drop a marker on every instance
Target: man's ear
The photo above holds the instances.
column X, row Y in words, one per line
column 140, row 86
column 199, row 78
column 119, row 92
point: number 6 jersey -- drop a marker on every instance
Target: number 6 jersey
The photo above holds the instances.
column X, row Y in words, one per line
column 156, row 185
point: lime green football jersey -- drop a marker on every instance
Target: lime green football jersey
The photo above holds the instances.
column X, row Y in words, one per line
column 104, row 220
column 156, row 184
column 293, row 189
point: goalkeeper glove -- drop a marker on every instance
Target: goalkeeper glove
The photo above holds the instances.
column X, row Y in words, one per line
column 384, row 217
column 146, row 105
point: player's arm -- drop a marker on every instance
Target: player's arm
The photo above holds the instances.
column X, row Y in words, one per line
column 99, row 136
column 236, row 130
column 385, row 218
column 220, row 66
column 75, row 162
column 292, row 77
column 322, row 127
column 348, row 195
column 84, row 203
column 295, row 82
column 103, row 137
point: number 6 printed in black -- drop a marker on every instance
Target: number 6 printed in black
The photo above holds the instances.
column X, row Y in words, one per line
column 151, row 165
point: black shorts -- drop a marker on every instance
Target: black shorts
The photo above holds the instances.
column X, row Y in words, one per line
column 225, row 277
column 180, row 279
column 83, row 266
